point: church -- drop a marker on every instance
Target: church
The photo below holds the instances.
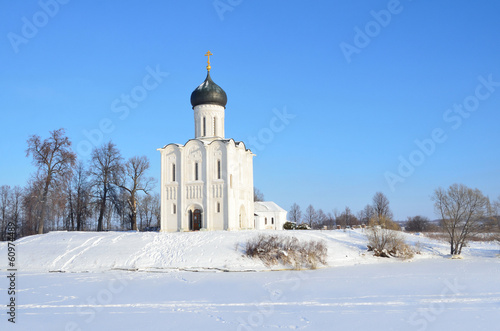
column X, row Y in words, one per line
column 207, row 183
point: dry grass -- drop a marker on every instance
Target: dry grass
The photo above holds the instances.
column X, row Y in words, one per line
column 438, row 236
column 288, row 251
column 388, row 243
column 480, row 237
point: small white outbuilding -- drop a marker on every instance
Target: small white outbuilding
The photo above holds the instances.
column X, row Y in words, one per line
column 268, row 215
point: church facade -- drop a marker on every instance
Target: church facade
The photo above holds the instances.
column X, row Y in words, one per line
column 207, row 183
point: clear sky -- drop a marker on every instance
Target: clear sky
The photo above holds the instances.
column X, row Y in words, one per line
column 330, row 95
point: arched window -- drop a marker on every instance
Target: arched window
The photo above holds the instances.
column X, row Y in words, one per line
column 173, row 172
column 204, row 126
column 215, row 126
column 272, row 220
column 218, row 169
column 218, row 207
column 174, row 209
column 265, row 221
column 196, row 171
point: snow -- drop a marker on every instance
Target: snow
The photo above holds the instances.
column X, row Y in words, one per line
column 133, row 281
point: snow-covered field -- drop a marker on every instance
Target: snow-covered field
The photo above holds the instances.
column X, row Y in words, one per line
column 157, row 281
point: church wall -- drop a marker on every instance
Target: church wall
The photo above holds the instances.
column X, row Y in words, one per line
column 193, row 179
column 209, row 121
column 217, row 152
column 170, row 190
column 240, row 193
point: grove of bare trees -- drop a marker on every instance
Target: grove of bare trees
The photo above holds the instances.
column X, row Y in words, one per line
column 64, row 193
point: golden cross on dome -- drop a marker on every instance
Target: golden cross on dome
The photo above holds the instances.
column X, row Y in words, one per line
column 208, row 60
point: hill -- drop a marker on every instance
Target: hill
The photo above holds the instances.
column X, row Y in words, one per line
column 196, row 251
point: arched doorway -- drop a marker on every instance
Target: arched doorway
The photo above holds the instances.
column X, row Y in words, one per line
column 195, row 218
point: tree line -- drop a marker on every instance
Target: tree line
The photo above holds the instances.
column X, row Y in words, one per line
column 465, row 214
column 64, row 193
column 318, row 219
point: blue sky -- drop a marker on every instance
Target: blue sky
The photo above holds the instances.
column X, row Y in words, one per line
column 355, row 102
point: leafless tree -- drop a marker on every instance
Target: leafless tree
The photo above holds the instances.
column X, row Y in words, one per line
column 381, row 206
column 104, row 170
column 347, row 218
column 366, row 214
column 5, row 193
column 31, row 206
column 148, row 207
column 310, row 216
column 417, row 224
column 157, row 209
column 295, row 214
column 330, row 220
column 462, row 211
column 135, row 181
column 320, row 218
column 54, row 159
column 79, row 208
column 257, row 195
column 15, row 208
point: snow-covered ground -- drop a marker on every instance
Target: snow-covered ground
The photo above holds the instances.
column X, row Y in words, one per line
column 136, row 281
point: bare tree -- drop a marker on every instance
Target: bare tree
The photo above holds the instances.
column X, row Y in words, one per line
column 135, row 181
column 417, row 224
column 346, row 218
column 381, row 206
column 310, row 216
column 320, row 218
column 105, row 168
column 148, row 206
column 330, row 220
column 366, row 214
column 462, row 211
column 157, row 208
column 54, row 159
column 31, row 206
column 79, row 208
column 5, row 193
column 257, row 195
column 496, row 206
column 15, row 208
column 295, row 214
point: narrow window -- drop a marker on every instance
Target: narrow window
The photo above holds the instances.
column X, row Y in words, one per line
column 204, row 126
column 218, row 207
column 196, row 171
column 218, row 169
column 215, row 126
column 174, row 207
column 265, row 220
column 272, row 220
column 173, row 172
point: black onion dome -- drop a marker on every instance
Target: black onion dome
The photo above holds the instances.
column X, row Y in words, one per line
column 208, row 93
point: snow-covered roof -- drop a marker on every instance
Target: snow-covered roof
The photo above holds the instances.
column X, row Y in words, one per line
column 262, row 206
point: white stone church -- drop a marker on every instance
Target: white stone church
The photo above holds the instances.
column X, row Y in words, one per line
column 207, row 184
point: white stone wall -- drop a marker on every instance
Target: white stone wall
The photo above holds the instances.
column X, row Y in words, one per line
column 233, row 191
column 209, row 121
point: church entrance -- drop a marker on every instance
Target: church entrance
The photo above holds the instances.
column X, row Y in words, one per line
column 194, row 220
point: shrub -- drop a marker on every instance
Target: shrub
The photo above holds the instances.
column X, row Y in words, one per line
column 289, row 226
column 385, row 241
column 303, row 226
column 273, row 250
